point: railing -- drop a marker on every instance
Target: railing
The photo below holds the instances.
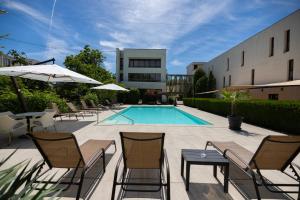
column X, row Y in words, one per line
column 118, row 113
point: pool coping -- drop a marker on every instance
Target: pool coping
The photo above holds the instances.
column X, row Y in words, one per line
column 209, row 124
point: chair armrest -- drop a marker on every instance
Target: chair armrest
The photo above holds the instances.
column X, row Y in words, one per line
column 237, row 156
column 117, row 168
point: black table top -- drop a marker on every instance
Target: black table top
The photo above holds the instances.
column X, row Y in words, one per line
column 211, row 156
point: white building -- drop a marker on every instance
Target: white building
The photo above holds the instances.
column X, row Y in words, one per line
column 143, row 69
column 270, row 56
column 192, row 67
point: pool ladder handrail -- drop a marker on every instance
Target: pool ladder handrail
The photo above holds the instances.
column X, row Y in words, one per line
column 118, row 113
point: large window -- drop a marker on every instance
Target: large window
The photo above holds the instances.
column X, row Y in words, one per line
column 271, row 51
column 287, row 41
column 145, row 63
column 149, row 77
column 229, row 80
column 291, row 70
column 121, row 63
column 227, row 64
column 224, row 80
column 121, row 77
column 243, row 59
column 252, row 76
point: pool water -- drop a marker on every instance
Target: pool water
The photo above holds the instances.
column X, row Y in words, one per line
column 154, row 115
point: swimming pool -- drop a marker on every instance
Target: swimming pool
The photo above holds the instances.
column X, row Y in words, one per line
column 154, row 115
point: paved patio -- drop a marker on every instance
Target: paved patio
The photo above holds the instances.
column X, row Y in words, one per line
column 203, row 184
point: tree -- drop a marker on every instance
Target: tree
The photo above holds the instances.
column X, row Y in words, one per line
column 88, row 62
column 201, row 84
column 211, row 84
column 198, row 74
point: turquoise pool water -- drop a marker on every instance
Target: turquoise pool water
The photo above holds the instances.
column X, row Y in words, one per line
column 154, row 115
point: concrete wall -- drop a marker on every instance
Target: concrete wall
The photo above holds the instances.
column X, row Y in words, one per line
column 146, row 54
column 284, row 93
column 256, row 48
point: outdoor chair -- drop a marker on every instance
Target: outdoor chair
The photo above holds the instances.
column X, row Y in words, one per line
column 85, row 107
column 99, row 105
column 45, row 120
column 142, row 151
column 112, row 105
column 61, row 150
column 8, row 124
column 74, row 111
column 274, row 153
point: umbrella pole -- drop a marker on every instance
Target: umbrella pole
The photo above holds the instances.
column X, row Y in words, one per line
column 19, row 93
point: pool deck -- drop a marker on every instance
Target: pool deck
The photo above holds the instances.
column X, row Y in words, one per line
column 203, row 184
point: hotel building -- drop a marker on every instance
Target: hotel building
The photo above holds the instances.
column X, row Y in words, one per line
column 269, row 60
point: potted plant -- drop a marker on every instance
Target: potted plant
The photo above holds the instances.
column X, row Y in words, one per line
column 235, row 120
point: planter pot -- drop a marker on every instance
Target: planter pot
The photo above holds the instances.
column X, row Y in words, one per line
column 235, row 122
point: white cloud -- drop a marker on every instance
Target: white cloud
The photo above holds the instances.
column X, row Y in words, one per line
column 35, row 14
column 176, row 63
column 152, row 23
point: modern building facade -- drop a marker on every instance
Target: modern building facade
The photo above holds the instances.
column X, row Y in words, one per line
column 143, row 69
column 6, row 60
column 270, row 56
column 192, row 67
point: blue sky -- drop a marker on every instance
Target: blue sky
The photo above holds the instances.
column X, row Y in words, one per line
column 190, row 30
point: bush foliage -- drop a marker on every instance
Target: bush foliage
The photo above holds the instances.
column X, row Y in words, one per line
column 277, row 115
column 131, row 97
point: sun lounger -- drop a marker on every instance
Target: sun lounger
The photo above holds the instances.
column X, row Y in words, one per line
column 61, row 150
column 74, row 111
column 143, row 151
column 274, row 153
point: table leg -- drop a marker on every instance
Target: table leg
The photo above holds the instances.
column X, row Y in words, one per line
column 187, row 176
column 182, row 165
column 226, row 177
column 215, row 171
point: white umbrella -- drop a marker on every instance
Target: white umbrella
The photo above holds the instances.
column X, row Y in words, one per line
column 110, row 86
column 47, row 73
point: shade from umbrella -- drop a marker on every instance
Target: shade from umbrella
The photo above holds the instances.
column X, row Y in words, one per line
column 47, row 73
column 110, row 86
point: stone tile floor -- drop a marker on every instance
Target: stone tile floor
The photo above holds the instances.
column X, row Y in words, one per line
column 203, row 184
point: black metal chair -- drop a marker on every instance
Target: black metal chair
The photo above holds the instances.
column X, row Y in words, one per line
column 142, row 151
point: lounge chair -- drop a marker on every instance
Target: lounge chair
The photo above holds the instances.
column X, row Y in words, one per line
column 8, row 124
column 61, row 150
column 112, row 105
column 74, row 111
column 273, row 153
column 99, row 105
column 142, row 151
column 85, row 107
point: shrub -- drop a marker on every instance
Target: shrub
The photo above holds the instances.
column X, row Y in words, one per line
column 277, row 115
column 91, row 96
column 131, row 97
column 36, row 101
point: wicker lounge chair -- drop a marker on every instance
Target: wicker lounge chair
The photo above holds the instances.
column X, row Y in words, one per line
column 274, row 153
column 61, row 150
column 143, row 151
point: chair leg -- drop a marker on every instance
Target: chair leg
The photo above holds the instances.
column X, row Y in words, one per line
column 113, row 191
column 80, row 184
column 10, row 136
column 256, row 187
column 54, row 127
column 103, row 160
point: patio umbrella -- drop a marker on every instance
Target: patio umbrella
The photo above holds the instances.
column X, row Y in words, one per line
column 110, row 86
column 47, row 73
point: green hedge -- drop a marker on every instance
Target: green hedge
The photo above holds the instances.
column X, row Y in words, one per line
column 36, row 101
column 130, row 97
column 277, row 115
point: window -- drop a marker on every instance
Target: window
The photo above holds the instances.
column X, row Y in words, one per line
column 121, row 63
column 273, row 96
column 287, row 41
column 227, row 64
column 271, row 51
column 145, row 63
column 146, row 77
column 252, row 76
column 229, row 80
column 121, row 77
column 224, row 80
column 291, row 70
column 195, row 67
column 243, row 58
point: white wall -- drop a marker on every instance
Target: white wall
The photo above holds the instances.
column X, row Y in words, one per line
column 267, row 69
